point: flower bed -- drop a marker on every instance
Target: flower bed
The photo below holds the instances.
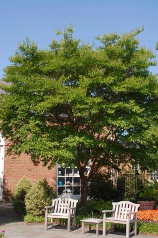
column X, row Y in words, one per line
column 148, row 215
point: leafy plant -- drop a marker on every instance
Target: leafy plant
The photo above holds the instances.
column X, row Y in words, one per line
column 2, row 234
column 147, row 193
column 31, row 219
column 39, row 196
column 148, row 228
column 92, row 208
column 134, row 183
column 130, row 186
column 155, row 188
column 20, row 191
column 101, row 187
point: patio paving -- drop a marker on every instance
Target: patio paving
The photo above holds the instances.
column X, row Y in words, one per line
column 14, row 228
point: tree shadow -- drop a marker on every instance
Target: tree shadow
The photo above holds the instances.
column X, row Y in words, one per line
column 8, row 214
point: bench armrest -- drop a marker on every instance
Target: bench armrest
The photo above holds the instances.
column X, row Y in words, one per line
column 47, row 207
column 132, row 213
column 105, row 211
column 129, row 213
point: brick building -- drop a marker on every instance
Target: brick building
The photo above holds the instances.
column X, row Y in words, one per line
column 13, row 168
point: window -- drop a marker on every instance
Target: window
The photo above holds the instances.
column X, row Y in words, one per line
column 154, row 175
column 68, row 182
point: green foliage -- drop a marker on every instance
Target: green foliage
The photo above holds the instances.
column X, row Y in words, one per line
column 32, row 219
column 101, row 187
column 92, row 208
column 130, row 186
column 149, row 192
column 134, row 183
column 148, row 228
column 138, row 188
column 120, row 190
column 2, row 234
column 39, row 196
column 20, row 191
column 142, row 227
column 77, row 103
column 155, row 188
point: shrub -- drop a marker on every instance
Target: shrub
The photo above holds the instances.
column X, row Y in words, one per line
column 101, row 187
column 148, row 228
column 31, row 219
column 120, row 190
column 134, row 183
column 92, row 208
column 39, row 196
column 20, row 191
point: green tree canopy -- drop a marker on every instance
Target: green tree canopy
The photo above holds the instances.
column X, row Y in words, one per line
column 81, row 104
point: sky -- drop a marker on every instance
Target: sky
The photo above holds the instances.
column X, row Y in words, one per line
column 39, row 19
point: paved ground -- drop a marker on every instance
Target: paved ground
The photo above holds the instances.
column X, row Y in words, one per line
column 14, row 228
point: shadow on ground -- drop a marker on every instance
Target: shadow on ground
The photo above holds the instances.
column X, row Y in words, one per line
column 8, row 214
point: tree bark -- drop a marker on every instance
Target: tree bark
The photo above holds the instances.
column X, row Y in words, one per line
column 85, row 178
column 84, row 189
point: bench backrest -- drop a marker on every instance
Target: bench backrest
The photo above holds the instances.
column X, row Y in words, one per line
column 123, row 208
column 62, row 205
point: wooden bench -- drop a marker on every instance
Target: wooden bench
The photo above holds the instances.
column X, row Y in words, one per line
column 123, row 213
column 64, row 208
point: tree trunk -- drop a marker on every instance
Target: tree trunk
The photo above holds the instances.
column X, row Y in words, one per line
column 84, row 186
column 84, row 182
column 84, row 190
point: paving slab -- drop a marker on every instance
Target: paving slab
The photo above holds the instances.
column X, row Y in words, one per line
column 15, row 228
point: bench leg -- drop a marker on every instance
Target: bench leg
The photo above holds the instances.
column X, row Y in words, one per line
column 82, row 228
column 135, row 228
column 127, row 229
column 73, row 221
column 104, row 225
column 45, row 223
column 89, row 227
column 52, row 221
column 112, row 227
column 97, row 229
column 68, row 224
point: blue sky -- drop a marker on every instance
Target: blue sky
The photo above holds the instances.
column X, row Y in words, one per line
column 39, row 19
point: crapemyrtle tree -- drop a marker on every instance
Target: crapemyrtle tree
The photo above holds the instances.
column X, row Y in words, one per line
column 82, row 105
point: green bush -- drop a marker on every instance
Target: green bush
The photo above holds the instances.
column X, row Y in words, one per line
column 142, row 227
column 120, row 189
column 134, row 183
column 148, row 228
column 92, row 208
column 101, row 187
column 39, row 196
column 31, row 219
column 20, row 191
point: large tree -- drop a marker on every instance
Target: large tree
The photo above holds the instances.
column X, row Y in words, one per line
column 82, row 105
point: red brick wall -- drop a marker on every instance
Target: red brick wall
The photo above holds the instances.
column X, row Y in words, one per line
column 17, row 167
